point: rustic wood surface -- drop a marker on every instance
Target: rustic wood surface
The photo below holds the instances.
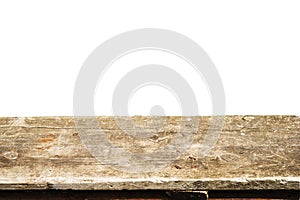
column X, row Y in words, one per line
column 252, row 152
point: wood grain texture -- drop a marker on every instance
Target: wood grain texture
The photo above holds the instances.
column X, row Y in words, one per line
column 252, row 152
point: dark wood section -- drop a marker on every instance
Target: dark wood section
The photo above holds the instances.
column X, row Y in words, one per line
column 147, row 195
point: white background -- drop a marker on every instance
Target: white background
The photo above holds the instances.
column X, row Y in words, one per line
column 255, row 46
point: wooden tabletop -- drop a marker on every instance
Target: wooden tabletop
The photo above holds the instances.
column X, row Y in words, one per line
column 250, row 153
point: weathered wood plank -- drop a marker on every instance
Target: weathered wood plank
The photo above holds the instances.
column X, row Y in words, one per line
column 252, row 152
